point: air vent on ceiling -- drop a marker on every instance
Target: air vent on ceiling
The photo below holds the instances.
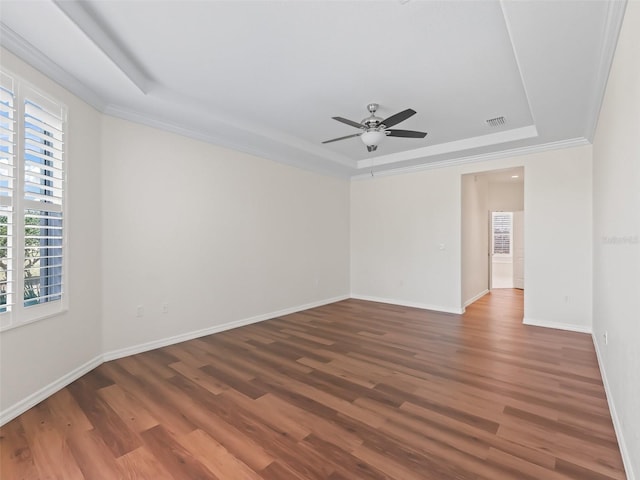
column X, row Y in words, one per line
column 496, row 122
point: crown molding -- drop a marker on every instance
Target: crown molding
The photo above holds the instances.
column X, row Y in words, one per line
column 83, row 18
column 318, row 164
column 38, row 60
column 513, row 152
column 613, row 25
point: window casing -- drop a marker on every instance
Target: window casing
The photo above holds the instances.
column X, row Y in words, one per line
column 32, row 204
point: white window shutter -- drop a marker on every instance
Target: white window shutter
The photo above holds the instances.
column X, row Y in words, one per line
column 43, row 200
column 7, row 186
column 502, row 226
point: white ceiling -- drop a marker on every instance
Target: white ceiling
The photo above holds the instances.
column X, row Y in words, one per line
column 267, row 76
column 506, row 175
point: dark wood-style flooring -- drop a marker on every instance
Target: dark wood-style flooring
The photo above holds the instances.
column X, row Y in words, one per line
column 352, row 390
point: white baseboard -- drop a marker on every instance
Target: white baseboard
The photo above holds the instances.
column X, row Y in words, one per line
column 475, row 298
column 183, row 337
column 423, row 306
column 617, row 426
column 559, row 326
column 25, row 404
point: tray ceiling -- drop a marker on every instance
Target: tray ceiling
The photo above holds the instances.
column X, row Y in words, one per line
column 266, row 77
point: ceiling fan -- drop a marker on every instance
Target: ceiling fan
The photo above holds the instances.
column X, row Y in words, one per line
column 374, row 129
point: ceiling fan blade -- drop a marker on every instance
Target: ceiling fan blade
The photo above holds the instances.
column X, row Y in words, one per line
column 348, row 122
column 398, row 117
column 406, row 133
column 372, row 148
column 342, row 138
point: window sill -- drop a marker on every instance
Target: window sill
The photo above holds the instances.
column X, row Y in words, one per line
column 15, row 325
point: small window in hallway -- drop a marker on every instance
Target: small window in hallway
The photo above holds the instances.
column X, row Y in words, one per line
column 502, row 223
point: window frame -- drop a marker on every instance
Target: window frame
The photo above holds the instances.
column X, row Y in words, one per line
column 19, row 314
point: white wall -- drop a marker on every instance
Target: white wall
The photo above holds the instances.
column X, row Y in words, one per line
column 506, row 197
column 557, row 238
column 218, row 235
column 398, row 223
column 475, row 237
column 616, row 185
column 38, row 354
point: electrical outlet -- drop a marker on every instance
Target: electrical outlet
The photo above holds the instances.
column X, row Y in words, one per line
column 139, row 311
column 606, row 338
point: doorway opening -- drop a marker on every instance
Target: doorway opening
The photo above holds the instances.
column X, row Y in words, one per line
column 493, row 248
column 506, row 254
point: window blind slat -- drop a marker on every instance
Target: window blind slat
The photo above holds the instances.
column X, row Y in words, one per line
column 55, row 131
column 42, row 206
column 43, row 115
column 43, row 200
column 43, row 298
column 4, row 128
column 43, row 157
column 43, row 179
column 44, row 138
column 6, row 95
column 6, row 143
column 49, row 189
column 53, row 169
column 36, row 146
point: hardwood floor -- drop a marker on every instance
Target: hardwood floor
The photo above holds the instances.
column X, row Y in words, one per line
column 352, row 390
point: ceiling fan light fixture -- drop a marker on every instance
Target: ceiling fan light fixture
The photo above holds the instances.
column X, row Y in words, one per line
column 372, row 137
column 373, row 129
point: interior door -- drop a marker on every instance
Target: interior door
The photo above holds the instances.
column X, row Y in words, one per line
column 518, row 250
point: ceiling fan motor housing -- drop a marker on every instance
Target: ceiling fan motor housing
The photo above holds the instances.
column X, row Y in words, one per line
column 372, row 121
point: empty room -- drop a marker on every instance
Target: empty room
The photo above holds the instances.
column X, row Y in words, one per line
column 320, row 240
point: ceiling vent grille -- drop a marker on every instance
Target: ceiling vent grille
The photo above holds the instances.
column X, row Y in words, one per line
column 496, row 122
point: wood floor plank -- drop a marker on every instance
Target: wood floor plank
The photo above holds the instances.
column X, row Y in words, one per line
column 351, row 390
column 149, row 396
column 141, row 464
column 199, row 377
column 88, row 450
column 215, row 457
column 176, row 459
column 16, row 458
column 128, row 408
column 50, row 452
column 114, row 431
column 66, row 412
column 323, row 428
